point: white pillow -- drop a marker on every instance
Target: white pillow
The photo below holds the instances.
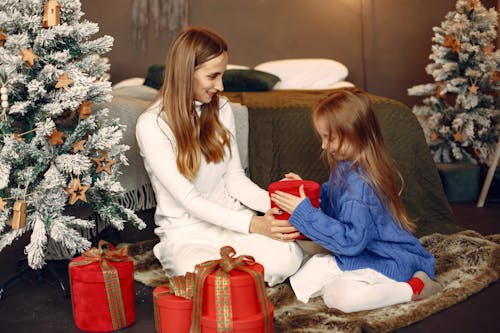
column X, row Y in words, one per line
column 307, row 73
column 134, row 81
column 233, row 66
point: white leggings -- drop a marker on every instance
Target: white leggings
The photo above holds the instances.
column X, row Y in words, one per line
column 348, row 291
column 182, row 248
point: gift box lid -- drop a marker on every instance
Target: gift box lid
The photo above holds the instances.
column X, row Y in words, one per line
column 311, row 188
column 92, row 273
column 168, row 300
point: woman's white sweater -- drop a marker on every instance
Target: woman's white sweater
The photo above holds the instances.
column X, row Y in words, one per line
column 221, row 192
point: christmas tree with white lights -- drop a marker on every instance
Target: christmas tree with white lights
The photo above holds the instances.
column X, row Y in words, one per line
column 460, row 115
column 55, row 151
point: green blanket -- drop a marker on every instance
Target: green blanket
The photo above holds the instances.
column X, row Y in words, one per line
column 282, row 139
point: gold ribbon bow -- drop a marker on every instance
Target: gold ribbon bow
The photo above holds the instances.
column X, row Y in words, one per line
column 223, row 266
column 103, row 253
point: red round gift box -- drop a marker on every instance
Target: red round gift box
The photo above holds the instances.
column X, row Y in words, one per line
column 174, row 312
column 244, row 299
column 251, row 324
column 311, row 188
column 89, row 299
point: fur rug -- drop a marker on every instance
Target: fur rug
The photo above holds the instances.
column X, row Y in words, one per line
column 466, row 263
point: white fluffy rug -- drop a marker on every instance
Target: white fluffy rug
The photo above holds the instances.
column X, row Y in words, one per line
column 466, row 263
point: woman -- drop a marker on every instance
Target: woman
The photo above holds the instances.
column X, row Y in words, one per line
column 187, row 141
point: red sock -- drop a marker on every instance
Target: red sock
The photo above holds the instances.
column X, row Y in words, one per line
column 416, row 285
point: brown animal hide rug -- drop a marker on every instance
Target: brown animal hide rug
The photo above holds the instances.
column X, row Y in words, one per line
column 466, row 262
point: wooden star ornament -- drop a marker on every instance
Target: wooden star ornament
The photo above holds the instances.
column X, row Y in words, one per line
column 77, row 191
column 448, row 41
column 456, row 47
column 28, row 56
column 473, row 89
column 64, row 81
column 458, row 137
column 78, row 146
column 104, row 163
column 56, row 138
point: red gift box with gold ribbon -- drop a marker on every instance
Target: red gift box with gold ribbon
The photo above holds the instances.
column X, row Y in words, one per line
column 102, row 289
column 224, row 295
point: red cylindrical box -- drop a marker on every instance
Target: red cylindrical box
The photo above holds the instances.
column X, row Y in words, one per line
column 251, row 324
column 89, row 299
column 243, row 293
column 172, row 312
column 311, row 188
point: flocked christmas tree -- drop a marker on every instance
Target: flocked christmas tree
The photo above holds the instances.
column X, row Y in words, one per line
column 55, row 152
column 460, row 115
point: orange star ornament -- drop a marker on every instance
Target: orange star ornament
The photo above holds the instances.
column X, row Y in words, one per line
column 104, row 163
column 448, row 41
column 56, row 138
column 473, row 89
column 458, row 137
column 3, row 37
column 77, row 191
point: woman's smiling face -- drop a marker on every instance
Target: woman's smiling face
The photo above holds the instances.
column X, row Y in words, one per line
column 207, row 81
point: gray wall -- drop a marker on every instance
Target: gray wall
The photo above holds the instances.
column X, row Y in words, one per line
column 384, row 43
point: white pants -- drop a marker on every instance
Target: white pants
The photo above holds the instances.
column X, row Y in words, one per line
column 348, row 291
column 184, row 247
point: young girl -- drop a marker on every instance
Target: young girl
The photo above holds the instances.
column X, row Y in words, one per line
column 187, row 141
column 375, row 261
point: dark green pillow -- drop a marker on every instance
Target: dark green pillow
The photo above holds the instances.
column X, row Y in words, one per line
column 248, row 80
column 154, row 79
column 233, row 79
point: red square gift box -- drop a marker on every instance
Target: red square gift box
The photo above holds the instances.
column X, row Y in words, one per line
column 102, row 289
column 311, row 188
column 223, row 295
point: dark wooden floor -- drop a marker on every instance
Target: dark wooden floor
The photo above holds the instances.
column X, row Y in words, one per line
column 36, row 304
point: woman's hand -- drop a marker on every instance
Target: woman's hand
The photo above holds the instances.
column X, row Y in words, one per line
column 268, row 226
column 291, row 176
column 288, row 202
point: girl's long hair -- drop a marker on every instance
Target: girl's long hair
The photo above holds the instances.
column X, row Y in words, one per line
column 194, row 135
column 349, row 115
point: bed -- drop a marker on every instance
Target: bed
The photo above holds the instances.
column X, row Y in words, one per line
column 275, row 136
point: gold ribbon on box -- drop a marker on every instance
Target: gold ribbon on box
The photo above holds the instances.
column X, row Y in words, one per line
column 181, row 286
column 102, row 254
column 224, row 314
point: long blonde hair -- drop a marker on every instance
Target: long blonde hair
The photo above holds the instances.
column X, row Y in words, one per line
column 349, row 115
column 195, row 135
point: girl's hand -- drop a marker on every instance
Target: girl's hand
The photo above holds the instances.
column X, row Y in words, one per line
column 291, row 176
column 268, row 226
column 288, row 202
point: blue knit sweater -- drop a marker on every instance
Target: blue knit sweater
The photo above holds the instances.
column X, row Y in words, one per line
column 353, row 224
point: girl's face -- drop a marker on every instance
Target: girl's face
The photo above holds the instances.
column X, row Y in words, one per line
column 330, row 143
column 207, row 80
